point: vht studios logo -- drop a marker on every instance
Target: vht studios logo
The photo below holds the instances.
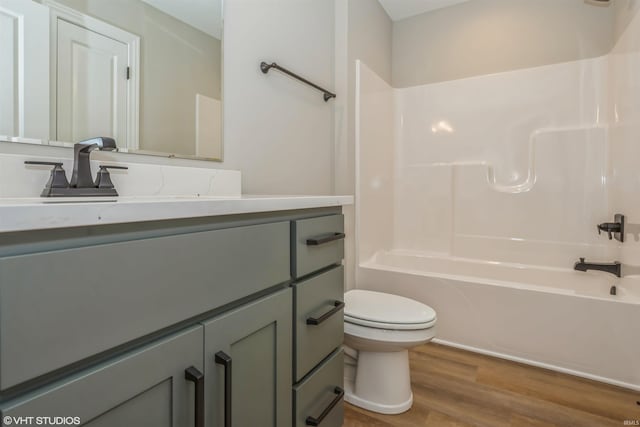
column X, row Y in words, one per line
column 632, row 422
column 40, row 421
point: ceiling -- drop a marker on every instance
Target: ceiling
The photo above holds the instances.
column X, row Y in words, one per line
column 401, row 9
column 205, row 15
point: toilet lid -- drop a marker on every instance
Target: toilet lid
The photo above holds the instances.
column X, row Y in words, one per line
column 370, row 308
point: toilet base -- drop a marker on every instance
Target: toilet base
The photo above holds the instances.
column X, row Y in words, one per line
column 351, row 398
column 380, row 382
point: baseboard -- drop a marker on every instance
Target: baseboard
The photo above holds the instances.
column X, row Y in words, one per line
column 635, row 387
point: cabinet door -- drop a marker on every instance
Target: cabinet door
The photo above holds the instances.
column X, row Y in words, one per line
column 147, row 387
column 248, row 365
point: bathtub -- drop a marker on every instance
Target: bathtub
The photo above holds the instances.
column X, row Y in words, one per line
column 553, row 318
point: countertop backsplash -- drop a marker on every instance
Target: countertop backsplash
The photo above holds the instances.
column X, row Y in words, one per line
column 18, row 180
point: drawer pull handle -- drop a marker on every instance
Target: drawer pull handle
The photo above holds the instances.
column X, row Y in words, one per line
column 337, row 306
column 316, row 241
column 311, row 421
column 195, row 376
column 224, row 359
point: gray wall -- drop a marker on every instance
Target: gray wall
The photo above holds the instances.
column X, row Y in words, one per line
column 489, row 36
column 370, row 31
column 177, row 62
column 624, row 11
column 278, row 131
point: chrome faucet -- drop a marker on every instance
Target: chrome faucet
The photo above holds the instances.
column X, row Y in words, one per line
column 81, row 177
column 613, row 268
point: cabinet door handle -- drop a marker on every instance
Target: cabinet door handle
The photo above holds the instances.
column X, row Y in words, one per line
column 321, row 240
column 337, row 306
column 224, row 359
column 195, row 376
column 311, row 421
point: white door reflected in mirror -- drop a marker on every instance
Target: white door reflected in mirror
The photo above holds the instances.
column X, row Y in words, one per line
column 144, row 72
column 92, row 85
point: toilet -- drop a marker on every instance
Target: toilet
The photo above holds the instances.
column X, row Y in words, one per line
column 379, row 329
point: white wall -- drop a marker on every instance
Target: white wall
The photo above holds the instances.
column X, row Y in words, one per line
column 277, row 131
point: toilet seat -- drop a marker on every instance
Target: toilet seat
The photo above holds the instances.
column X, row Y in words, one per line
column 385, row 311
column 389, row 326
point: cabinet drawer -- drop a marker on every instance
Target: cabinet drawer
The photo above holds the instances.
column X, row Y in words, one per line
column 319, row 324
column 320, row 396
column 145, row 388
column 71, row 304
column 318, row 243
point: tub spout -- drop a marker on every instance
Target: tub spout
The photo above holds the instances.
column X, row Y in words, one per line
column 613, row 268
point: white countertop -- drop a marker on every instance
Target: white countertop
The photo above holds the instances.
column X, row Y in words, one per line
column 45, row 213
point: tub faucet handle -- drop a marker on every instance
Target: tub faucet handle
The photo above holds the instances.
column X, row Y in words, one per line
column 613, row 229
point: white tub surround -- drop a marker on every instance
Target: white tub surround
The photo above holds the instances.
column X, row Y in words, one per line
column 506, row 167
column 477, row 196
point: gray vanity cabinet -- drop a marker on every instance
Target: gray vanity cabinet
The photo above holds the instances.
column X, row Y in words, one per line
column 219, row 322
column 318, row 288
column 248, row 364
column 146, row 387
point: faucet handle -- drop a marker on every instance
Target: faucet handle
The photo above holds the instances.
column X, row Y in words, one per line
column 58, row 177
column 582, row 260
column 104, row 178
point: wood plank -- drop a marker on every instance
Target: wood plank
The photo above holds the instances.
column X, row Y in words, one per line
column 415, row 417
column 353, row 417
column 436, row 419
column 454, row 387
column 493, row 407
column 425, row 363
column 616, row 404
column 522, row 421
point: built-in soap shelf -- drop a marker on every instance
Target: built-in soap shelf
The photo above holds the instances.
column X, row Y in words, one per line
column 554, row 153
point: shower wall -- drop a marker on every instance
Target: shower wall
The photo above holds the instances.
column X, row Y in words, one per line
column 506, row 167
column 516, row 166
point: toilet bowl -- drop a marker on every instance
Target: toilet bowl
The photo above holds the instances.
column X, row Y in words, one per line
column 379, row 329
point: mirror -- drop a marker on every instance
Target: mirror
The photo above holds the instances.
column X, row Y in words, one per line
column 145, row 72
